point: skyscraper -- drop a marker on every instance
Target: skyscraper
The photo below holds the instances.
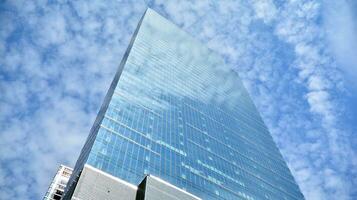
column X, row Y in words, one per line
column 175, row 111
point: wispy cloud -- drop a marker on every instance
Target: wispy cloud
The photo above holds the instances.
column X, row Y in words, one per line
column 57, row 60
column 321, row 79
column 341, row 31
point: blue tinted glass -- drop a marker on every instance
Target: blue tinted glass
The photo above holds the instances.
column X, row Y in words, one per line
column 179, row 113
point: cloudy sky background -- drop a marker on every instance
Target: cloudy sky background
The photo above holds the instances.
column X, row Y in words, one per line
column 297, row 58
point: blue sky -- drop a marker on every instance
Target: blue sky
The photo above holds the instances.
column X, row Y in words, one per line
column 297, row 59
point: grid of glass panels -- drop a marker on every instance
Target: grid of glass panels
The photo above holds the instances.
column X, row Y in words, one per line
column 179, row 113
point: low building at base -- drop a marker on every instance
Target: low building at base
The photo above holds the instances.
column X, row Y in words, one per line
column 56, row 189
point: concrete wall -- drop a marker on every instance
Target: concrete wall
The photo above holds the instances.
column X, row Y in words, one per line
column 157, row 189
column 94, row 184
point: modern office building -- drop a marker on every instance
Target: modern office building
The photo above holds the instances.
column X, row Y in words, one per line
column 58, row 184
column 176, row 112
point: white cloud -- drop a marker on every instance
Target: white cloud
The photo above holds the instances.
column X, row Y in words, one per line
column 341, row 30
column 265, row 10
column 46, row 105
column 53, row 30
column 298, row 28
column 289, row 72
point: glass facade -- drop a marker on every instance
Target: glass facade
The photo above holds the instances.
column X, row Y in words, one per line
column 176, row 111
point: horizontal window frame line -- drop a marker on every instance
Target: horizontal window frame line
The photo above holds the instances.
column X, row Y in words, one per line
column 263, row 180
column 128, row 139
